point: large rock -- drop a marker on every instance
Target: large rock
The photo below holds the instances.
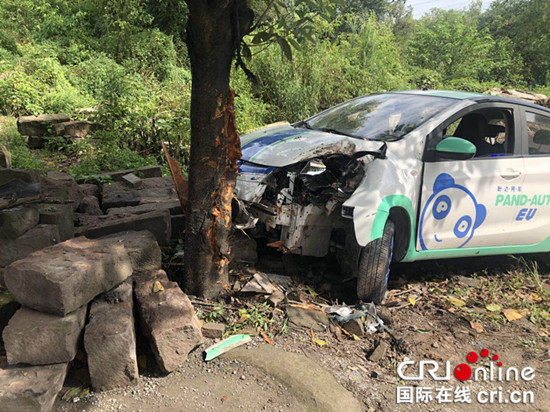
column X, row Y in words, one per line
column 61, row 189
column 143, row 172
column 110, row 339
column 38, row 338
column 89, row 189
column 152, row 190
column 30, row 388
column 174, row 206
column 15, row 222
column 64, row 277
column 75, row 128
column 142, row 248
column 60, row 215
column 35, row 239
column 158, row 223
column 167, row 318
column 90, row 206
column 24, row 175
column 39, row 125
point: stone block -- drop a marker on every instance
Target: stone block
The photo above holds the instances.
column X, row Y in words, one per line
column 110, row 339
column 61, row 190
column 158, row 223
column 90, row 206
column 24, row 175
column 16, row 221
column 167, row 318
column 37, row 338
column 39, row 125
column 174, row 206
column 89, row 189
column 152, row 190
column 213, row 330
column 64, row 277
column 131, row 180
column 30, row 388
column 142, row 248
column 60, row 215
column 75, row 128
column 37, row 238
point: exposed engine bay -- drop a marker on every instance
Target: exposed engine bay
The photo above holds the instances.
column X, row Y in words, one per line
column 298, row 207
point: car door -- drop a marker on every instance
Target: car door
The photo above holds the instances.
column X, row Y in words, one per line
column 472, row 203
column 531, row 225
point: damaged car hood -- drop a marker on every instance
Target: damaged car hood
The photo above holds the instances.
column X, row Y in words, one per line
column 285, row 145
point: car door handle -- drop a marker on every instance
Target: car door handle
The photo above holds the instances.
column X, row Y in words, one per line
column 510, row 174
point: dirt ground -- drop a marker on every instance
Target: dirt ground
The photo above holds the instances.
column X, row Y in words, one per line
column 440, row 311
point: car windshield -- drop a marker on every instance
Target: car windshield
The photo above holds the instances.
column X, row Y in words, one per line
column 378, row 117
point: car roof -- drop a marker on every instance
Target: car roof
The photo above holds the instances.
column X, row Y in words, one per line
column 476, row 97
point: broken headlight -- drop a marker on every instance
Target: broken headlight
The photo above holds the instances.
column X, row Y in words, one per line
column 333, row 177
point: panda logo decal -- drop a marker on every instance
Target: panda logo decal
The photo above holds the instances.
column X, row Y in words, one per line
column 450, row 217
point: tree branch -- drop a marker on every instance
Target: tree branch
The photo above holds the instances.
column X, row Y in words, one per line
column 255, row 26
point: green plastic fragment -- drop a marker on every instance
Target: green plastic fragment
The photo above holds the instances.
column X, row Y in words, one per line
column 225, row 346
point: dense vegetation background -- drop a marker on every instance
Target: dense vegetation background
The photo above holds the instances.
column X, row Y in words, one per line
column 128, row 60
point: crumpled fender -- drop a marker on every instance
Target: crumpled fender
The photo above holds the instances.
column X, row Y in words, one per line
column 388, row 183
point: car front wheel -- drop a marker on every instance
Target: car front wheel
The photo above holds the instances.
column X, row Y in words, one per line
column 374, row 266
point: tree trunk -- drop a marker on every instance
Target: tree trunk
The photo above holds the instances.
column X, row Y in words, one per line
column 213, row 34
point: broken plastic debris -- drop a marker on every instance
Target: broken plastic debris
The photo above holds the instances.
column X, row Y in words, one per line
column 225, row 346
column 339, row 310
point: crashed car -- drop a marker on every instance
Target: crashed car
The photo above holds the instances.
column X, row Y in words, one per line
column 400, row 176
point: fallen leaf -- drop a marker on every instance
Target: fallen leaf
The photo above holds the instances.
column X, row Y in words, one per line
column 84, row 393
column 224, row 398
column 456, row 302
column 512, row 314
column 264, row 335
column 478, row 327
column 412, row 300
column 493, row 307
column 157, row 287
column 71, row 393
column 320, row 342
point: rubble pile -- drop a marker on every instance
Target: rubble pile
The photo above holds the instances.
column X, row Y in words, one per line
column 84, row 287
column 74, row 258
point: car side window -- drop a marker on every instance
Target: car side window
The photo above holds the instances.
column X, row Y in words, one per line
column 490, row 130
column 538, row 133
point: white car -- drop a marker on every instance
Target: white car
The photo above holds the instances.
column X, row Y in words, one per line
column 401, row 176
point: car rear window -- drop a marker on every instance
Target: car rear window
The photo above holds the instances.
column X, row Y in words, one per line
column 380, row 117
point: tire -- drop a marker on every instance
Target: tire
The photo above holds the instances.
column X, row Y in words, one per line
column 374, row 267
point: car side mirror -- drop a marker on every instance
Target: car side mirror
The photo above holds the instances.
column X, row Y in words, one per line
column 455, row 148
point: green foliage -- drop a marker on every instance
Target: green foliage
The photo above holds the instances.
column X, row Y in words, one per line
column 449, row 43
column 128, row 60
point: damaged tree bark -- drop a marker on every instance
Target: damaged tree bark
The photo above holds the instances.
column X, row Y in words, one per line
column 214, row 31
